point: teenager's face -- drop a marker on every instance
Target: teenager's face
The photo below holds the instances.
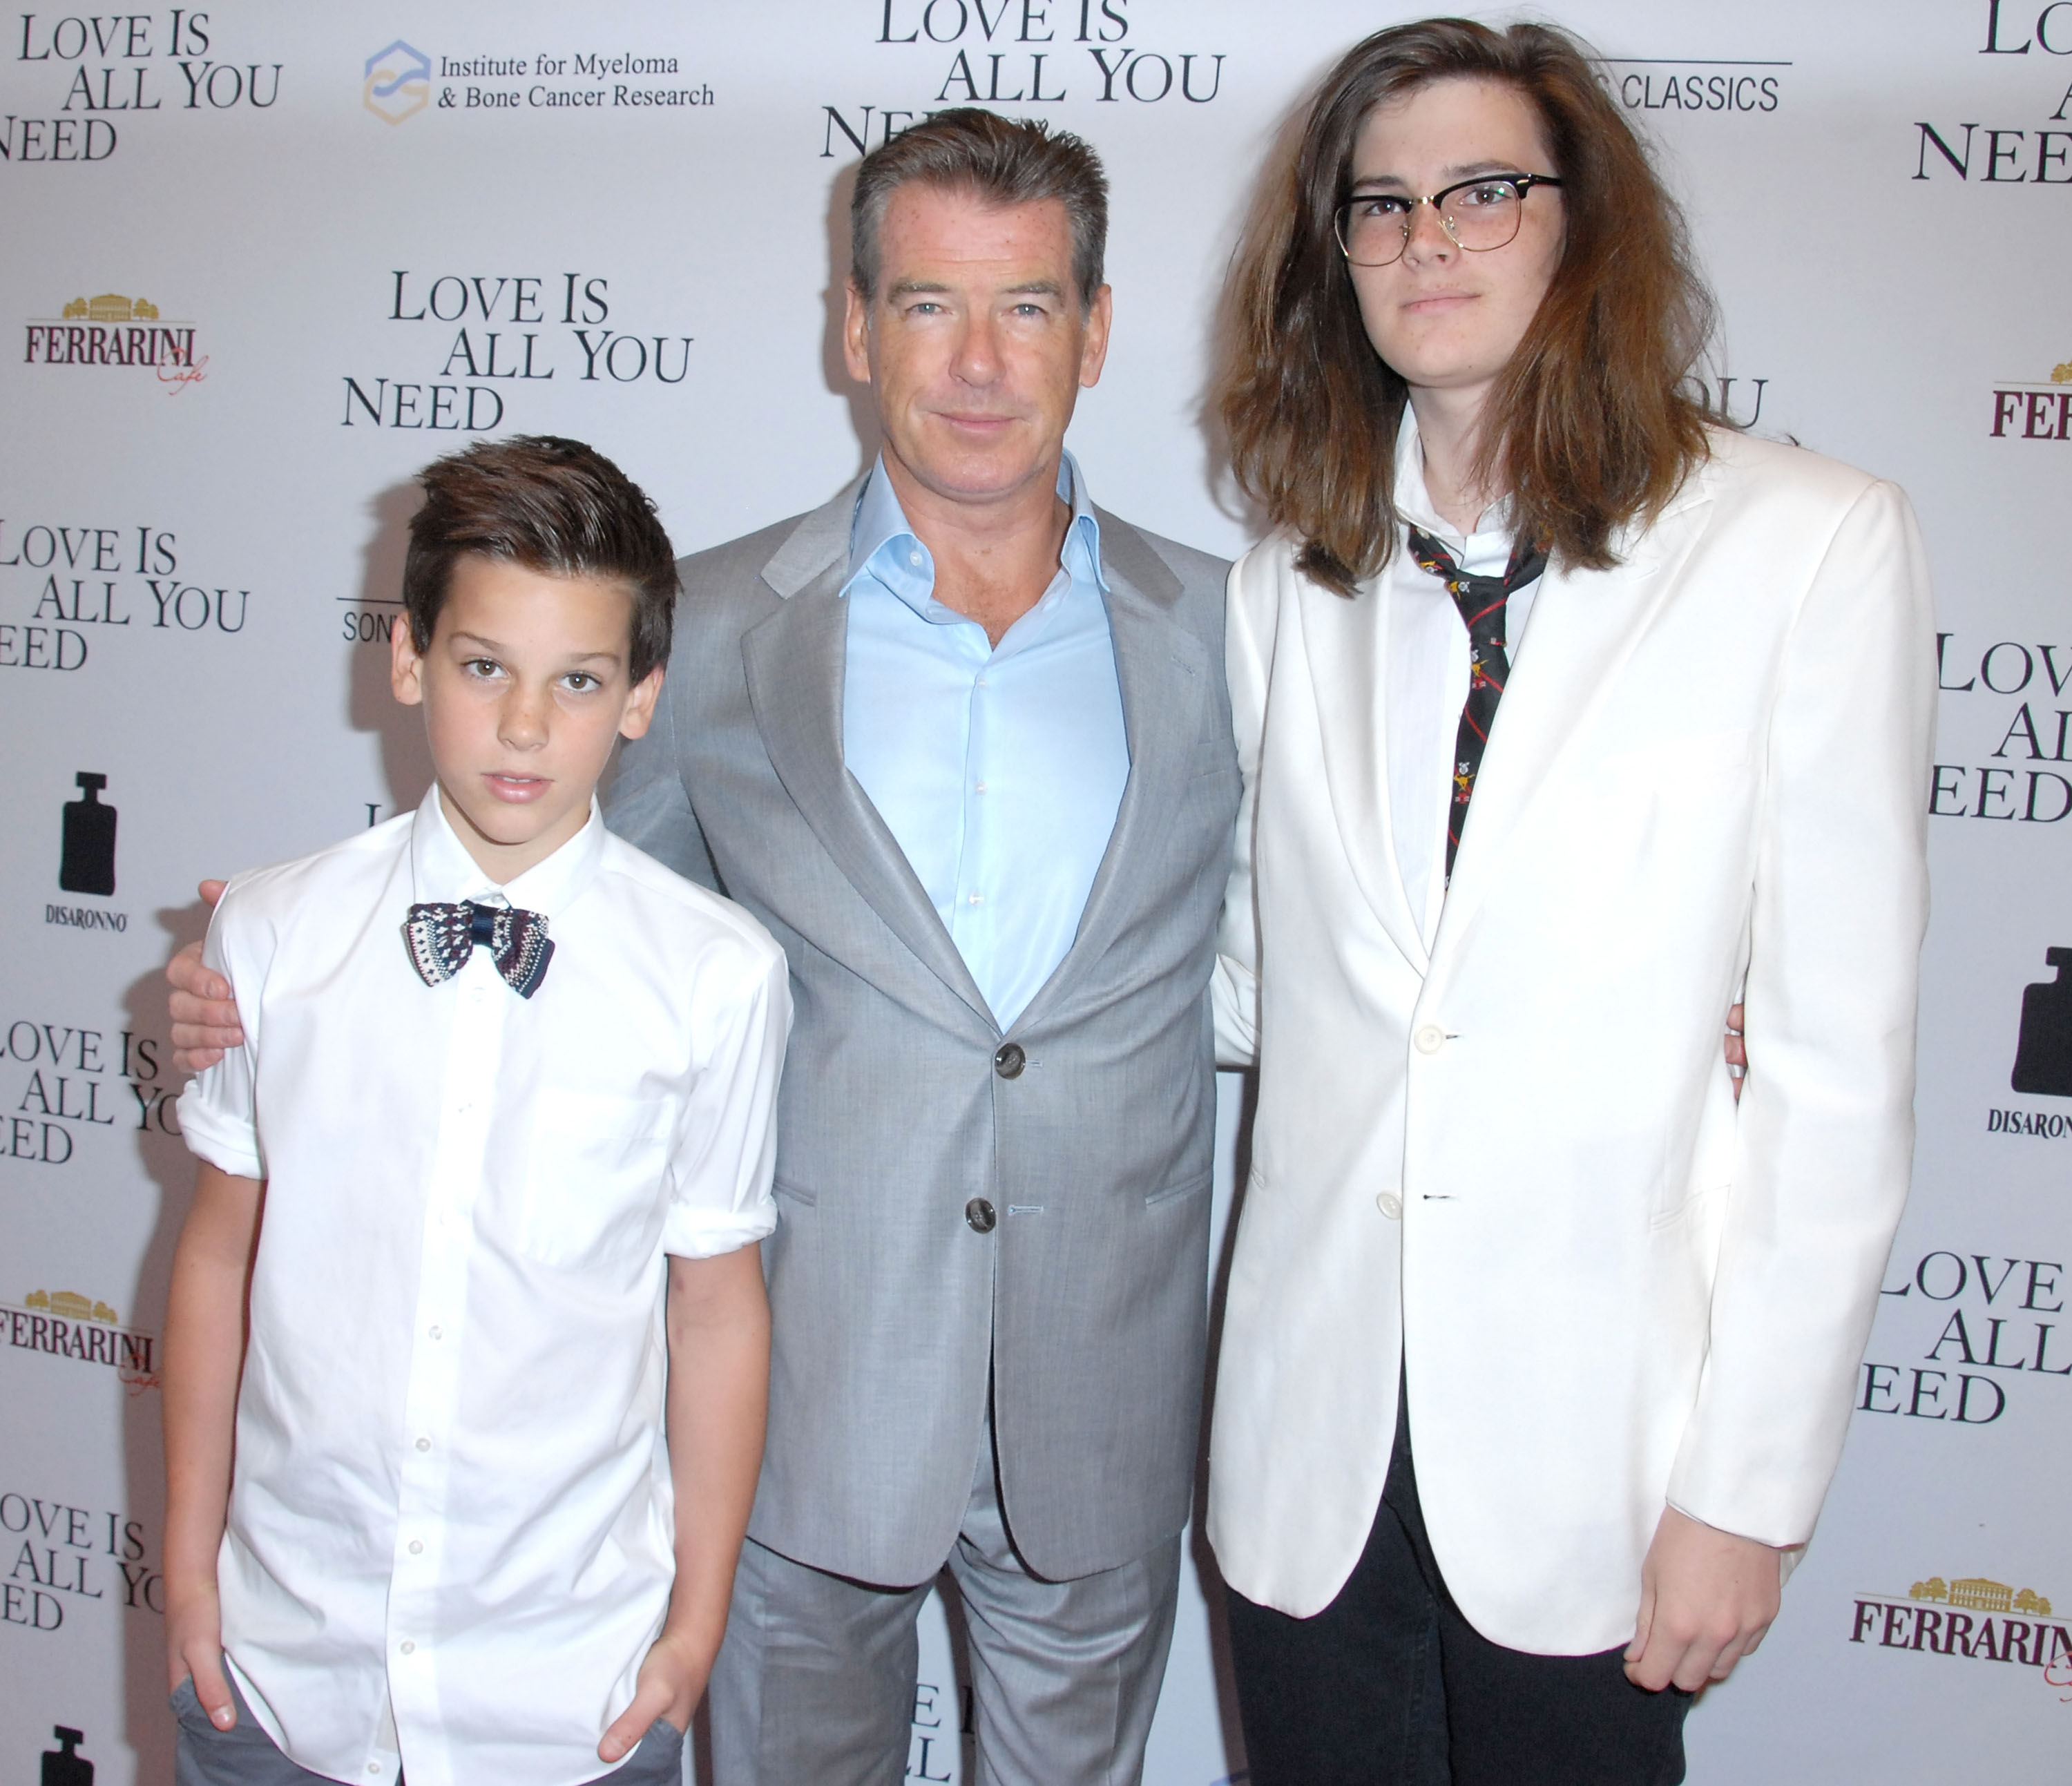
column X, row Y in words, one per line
column 975, row 343
column 525, row 688
column 1441, row 317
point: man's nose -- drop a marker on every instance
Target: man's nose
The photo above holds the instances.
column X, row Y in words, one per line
column 978, row 357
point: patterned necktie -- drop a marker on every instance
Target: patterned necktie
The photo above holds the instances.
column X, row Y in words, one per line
column 441, row 938
column 1481, row 600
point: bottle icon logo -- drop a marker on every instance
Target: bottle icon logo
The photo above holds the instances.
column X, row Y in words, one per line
column 61, row 1767
column 2043, row 1057
column 88, row 864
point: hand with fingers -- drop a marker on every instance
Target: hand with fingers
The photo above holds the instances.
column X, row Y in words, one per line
column 205, row 1020
column 1706, row 1599
column 194, row 1646
column 671, row 1683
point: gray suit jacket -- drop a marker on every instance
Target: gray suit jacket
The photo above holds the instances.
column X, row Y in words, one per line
column 1088, row 1297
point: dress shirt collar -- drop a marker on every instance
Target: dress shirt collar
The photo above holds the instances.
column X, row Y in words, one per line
column 883, row 546
column 1413, row 502
column 442, row 870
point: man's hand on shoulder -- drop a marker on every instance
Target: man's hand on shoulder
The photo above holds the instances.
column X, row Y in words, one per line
column 204, row 1018
column 1706, row 1599
column 672, row 1682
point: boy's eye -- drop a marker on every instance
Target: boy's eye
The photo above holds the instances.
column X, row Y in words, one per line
column 582, row 681
column 483, row 666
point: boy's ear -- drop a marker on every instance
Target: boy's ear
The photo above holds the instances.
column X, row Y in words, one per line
column 639, row 712
column 406, row 669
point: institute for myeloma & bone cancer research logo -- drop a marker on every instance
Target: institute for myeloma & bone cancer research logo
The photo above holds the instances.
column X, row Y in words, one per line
column 114, row 330
column 1971, row 1618
column 398, row 84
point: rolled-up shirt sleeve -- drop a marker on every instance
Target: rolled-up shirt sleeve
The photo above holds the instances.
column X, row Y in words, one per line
column 726, row 1147
column 218, row 1113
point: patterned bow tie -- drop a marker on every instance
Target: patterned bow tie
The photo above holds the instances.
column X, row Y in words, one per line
column 441, row 938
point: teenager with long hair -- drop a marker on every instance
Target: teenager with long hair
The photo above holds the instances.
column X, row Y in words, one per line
column 1567, row 718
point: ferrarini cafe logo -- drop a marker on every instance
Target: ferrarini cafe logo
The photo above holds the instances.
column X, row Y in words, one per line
column 1973, row 1618
column 2035, row 410
column 116, row 331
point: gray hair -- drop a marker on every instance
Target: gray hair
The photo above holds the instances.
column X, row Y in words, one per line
column 1001, row 161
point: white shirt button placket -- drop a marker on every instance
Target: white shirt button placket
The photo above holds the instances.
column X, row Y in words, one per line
column 481, row 1003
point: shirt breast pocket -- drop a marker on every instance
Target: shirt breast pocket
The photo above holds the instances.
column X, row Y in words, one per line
column 594, row 1179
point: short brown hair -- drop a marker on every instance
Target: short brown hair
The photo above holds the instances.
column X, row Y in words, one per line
column 553, row 505
column 1589, row 425
column 1001, row 161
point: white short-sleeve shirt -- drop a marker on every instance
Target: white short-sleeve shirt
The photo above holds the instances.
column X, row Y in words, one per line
column 451, row 1493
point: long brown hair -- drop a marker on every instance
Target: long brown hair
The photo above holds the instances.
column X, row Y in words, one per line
column 1587, row 426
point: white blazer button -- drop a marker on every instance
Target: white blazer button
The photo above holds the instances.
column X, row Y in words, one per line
column 1390, row 1204
column 1430, row 1039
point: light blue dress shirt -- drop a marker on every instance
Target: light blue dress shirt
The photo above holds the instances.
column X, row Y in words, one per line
column 999, row 770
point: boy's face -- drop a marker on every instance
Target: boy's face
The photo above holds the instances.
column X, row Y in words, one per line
column 525, row 688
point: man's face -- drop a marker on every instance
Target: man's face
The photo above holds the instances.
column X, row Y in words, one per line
column 976, row 343
column 525, row 687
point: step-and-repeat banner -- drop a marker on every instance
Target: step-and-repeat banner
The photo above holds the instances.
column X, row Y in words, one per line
column 262, row 262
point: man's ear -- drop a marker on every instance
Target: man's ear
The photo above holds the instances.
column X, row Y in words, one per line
column 406, row 669
column 1093, row 355
column 856, row 333
column 639, row 712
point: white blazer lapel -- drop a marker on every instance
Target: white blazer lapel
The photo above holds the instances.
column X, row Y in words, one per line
column 1584, row 626
column 1346, row 643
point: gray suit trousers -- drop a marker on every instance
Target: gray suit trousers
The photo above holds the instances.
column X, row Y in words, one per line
column 815, row 1683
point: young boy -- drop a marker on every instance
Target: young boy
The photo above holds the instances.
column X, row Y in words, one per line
column 504, row 1079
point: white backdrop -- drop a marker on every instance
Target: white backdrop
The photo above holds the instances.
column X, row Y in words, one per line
column 265, row 260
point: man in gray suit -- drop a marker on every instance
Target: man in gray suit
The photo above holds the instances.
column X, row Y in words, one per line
column 960, row 739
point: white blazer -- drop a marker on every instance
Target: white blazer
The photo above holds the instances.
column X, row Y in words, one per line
column 1514, row 1165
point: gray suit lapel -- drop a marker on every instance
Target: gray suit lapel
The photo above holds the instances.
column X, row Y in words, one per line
column 1163, row 670
column 795, row 661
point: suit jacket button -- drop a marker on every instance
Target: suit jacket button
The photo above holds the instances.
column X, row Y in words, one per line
column 1429, row 1040
column 1009, row 1063
column 979, row 1214
column 1390, row 1204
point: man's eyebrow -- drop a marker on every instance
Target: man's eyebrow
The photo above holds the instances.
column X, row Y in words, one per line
column 905, row 288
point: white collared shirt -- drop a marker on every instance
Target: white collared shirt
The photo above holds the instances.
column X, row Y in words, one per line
column 1427, row 673
column 452, row 1492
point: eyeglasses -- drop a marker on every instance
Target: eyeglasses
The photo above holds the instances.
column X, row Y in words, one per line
column 1479, row 215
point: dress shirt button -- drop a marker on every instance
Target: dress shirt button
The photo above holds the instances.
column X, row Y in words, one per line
column 979, row 1214
column 1390, row 1204
column 1009, row 1060
column 417, row 1547
column 407, row 1648
column 980, row 788
column 974, row 899
column 374, row 1767
column 1430, row 1039
column 438, row 1333
column 423, row 1444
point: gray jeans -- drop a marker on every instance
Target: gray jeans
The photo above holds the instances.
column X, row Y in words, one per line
column 245, row 1755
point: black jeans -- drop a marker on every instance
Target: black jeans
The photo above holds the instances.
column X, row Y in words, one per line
column 1389, row 1685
